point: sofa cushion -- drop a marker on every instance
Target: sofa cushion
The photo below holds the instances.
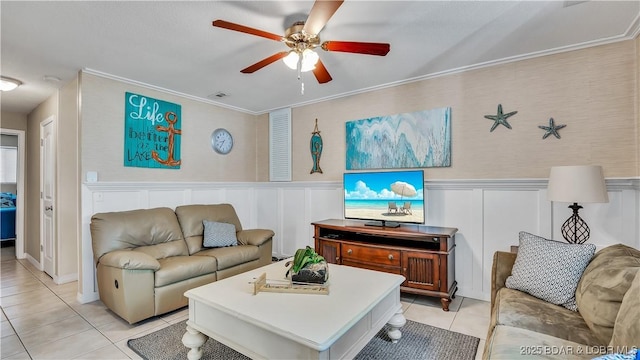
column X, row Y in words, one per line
column 548, row 269
column 603, row 286
column 217, row 234
column 191, row 217
column 231, row 256
column 178, row 268
column 626, row 330
column 130, row 229
column 518, row 309
column 508, row 343
column 631, row 355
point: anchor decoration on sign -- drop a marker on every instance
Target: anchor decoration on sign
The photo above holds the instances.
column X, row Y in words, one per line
column 316, row 149
column 171, row 118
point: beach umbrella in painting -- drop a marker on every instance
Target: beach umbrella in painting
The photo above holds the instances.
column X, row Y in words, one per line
column 403, row 189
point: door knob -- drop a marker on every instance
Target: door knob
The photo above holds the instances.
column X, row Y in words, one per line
column 47, row 208
column 390, row 256
column 349, row 251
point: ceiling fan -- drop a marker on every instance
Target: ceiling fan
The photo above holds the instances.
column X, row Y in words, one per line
column 302, row 38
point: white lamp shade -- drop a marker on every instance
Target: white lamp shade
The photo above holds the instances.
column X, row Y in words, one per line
column 309, row 60
column 291, row 60
column 577, row 184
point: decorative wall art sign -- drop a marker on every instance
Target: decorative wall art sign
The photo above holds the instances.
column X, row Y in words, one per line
column 500, row 118
column 316, row 149
column 152, row 132
column 409, row 140
column 552, row 129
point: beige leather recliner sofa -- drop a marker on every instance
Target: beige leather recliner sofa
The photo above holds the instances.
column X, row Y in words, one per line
column 146, row 259
column 608, row 294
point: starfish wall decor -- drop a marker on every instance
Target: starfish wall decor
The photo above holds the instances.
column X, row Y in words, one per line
column 500, row 118
column 552, row 129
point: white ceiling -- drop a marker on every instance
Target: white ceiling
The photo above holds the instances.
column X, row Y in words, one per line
column 172, row 45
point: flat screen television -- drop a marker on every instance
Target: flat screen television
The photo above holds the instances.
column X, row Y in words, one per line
column 389, row 198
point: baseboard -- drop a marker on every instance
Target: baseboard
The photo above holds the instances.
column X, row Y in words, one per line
column 8, row 242
column 87, row 298
column 34, row 262
column 66, row 278
column 473, row 294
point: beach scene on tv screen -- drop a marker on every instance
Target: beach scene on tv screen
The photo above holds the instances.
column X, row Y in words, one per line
column 390, row 196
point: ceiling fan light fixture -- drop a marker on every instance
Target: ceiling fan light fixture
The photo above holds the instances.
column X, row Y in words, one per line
column 291, row 60
column 8, row 84
column 309, row 60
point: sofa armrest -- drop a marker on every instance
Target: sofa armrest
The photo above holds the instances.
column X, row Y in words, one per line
column 255, row 237
column 130, row 260
column 502, row 264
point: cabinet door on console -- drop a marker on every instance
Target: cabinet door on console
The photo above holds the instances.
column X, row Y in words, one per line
column 330, row 251
column 421, row 270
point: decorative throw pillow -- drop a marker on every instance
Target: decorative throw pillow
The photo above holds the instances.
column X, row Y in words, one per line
column 634, row 354
column 549, row 270
column 217, row 234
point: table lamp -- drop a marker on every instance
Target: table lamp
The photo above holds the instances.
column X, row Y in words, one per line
column 576, row 184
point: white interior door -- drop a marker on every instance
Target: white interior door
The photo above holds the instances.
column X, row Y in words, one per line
column 47, row 201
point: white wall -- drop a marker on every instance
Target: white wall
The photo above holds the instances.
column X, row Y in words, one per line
column 488, row 214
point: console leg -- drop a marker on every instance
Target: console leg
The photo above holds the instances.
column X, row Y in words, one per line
column 445, row 303
column 194, row 340
column 396, row 322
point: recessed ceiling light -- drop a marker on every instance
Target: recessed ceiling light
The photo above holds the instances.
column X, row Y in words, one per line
column 8, row 84
column 51, row 78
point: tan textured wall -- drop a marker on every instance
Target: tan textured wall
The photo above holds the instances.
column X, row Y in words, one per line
column 103, row 137
column 593, row 91
column 11, row 120
column 638, row 104
column 68, row 185
column 32, row 212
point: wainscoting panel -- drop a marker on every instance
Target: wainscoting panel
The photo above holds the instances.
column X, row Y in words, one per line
column 206, row 196
column 455, row 208
column 162, row 198
column 294, row 233
column 488, row 214
column 268, row 214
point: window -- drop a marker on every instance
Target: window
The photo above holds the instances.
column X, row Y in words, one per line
column 8, row 164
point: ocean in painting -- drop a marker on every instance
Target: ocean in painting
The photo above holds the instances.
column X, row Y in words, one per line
column 382, row 205
column 420, row 139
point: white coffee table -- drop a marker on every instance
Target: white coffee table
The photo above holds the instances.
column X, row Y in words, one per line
column 295, row 326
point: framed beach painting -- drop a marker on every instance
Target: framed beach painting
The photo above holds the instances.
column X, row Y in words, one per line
column 420, row 139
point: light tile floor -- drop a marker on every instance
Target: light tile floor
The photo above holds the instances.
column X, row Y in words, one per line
column 42, row 320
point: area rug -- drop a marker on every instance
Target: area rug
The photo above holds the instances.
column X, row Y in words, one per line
column 419, row 341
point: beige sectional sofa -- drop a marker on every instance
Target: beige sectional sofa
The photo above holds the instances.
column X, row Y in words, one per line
column 146, row 259
column 607, row 321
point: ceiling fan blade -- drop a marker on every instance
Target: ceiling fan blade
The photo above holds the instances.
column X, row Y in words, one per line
column 379, row 49
column 264, row 62
column 321, row 73
column 320, row 13
column 246, row 30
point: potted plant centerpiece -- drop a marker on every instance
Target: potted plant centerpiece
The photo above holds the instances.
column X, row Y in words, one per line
column 308, row 267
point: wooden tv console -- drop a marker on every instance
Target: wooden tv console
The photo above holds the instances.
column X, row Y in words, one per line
column 424, row 255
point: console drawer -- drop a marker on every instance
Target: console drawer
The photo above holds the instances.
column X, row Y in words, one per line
column 370, row 254
column 370, row 266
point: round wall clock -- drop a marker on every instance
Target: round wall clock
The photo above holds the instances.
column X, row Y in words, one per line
column 221, row 141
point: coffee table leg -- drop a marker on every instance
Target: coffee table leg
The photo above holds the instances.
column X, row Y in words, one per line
column 396, row 322
column 194, row 340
